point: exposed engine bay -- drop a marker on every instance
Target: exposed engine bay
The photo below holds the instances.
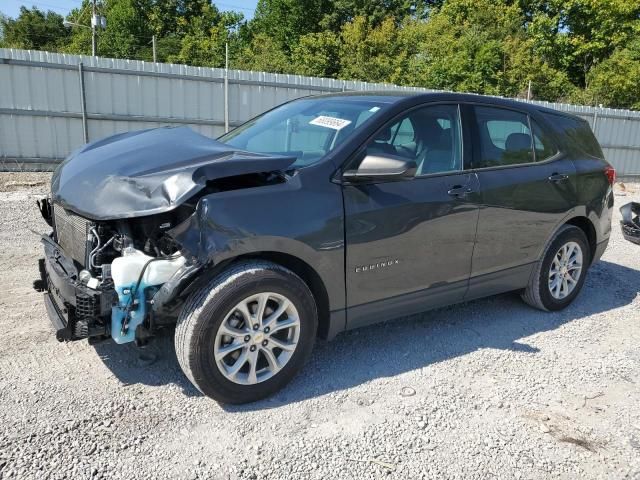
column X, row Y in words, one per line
column 115, row 268
column 122, row 278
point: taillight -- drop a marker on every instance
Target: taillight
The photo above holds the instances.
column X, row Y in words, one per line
column 610, row 172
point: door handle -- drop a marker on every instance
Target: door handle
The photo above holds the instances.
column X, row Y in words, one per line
column 558, row 177
column 459, row 190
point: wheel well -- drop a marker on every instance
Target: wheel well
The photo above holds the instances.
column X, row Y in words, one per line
column 309, row 276
column 589, row 230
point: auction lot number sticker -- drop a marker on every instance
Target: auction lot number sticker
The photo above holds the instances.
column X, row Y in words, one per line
column 330, row 122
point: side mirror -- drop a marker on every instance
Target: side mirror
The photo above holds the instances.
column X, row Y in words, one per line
column 382, row 167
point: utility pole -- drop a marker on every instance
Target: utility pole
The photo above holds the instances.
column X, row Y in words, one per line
column 529, row 91
column 97, row 21
column 94, row 21
column 153, row 42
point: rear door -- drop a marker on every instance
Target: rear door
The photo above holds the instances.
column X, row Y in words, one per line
column 527, row 188
column 409, row 243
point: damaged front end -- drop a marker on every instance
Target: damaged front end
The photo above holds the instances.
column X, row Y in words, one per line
column 101, row 278
column 630, row 222
column 112, row 265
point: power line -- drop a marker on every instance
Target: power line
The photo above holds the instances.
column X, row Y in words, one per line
column 82, row 10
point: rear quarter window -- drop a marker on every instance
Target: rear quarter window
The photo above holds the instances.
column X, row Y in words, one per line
column 576, row 134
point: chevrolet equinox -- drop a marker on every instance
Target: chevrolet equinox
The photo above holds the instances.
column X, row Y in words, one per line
column 324, row 214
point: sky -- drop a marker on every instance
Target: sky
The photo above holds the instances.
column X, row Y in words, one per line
column 11, row 8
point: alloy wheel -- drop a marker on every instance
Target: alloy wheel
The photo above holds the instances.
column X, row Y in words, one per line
column 257, row 338
column 565, row 271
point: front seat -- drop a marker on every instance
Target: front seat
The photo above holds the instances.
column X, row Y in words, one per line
column 436, row 148
column 439, row 158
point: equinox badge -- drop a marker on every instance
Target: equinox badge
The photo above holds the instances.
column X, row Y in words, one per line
column 376, row 266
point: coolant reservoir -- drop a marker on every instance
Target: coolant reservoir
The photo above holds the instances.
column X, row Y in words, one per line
column 125, row 270
column 132, row 300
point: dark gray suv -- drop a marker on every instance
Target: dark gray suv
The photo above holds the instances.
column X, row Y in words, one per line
column 324, row 214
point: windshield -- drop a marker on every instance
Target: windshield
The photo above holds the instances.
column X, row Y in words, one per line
column 305, row 129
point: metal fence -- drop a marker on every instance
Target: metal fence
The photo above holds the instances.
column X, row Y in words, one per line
column 52, row 103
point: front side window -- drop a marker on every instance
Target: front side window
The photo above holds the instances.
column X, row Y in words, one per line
column 505, row 137
column 430, row 136
column 306, row 129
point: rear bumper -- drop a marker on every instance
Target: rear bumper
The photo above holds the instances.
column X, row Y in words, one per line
column 75, row 311
column 631, row 234
column 630, row 225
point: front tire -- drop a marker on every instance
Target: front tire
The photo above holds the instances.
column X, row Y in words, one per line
column 558, row 278
column 245, row 334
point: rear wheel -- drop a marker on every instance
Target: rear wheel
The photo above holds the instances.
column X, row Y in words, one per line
column 247, row 333
column 558, row 278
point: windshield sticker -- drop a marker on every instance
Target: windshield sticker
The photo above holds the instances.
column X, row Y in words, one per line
column 374, row 109
column 330, row 122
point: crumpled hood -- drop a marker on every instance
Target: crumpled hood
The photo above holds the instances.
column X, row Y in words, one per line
column 149, row 171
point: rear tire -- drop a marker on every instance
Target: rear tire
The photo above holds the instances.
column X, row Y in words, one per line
column 557, row 279
column 229, row 333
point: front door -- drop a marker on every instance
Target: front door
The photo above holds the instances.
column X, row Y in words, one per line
column 410, row 243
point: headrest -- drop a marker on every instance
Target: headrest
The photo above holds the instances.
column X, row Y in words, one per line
column 517, row 142
column 430, row 131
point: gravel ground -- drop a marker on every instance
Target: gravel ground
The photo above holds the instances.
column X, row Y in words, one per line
column 490, row 388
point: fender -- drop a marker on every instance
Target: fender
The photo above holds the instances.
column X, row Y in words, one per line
column 234, row 223
column 579, row 212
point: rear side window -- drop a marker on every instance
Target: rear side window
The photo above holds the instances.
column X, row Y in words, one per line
column 505, row 138
column 577, row 134
column 543, row 145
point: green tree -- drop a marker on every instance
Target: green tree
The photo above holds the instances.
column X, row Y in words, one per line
column 483, row 47
column 379, row 53
column 80, row 37
column 462, row 45
column 285, row 21
column 317, row 54
column 596, row 29
column 190, row 32
column 582, row 50
column 263, row 54
column 205, row 36
column 524, row 67
column 615, row 82
column 127, row 34
column 34, row 30
column 578, row 34
column 376, row 11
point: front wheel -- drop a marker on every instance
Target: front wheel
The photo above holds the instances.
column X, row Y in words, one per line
column 558, row 277
column 247, row 333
